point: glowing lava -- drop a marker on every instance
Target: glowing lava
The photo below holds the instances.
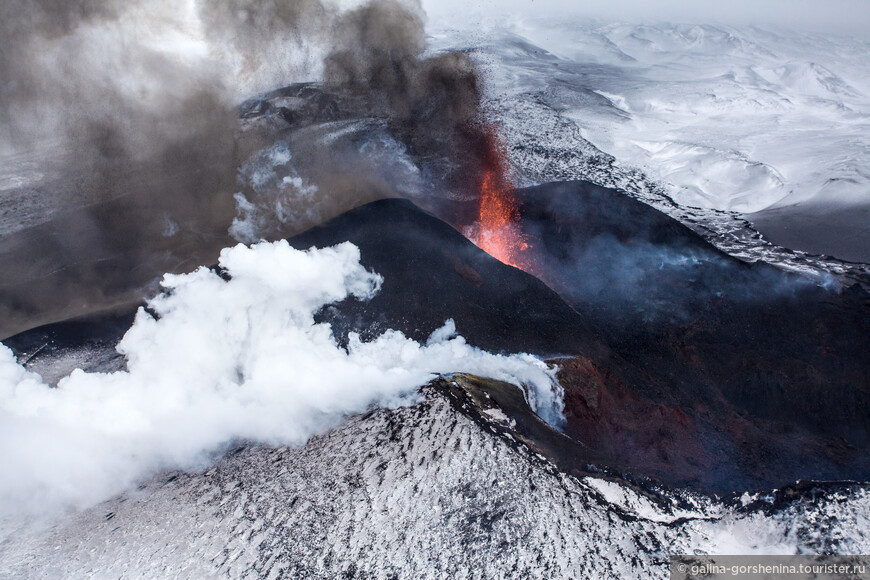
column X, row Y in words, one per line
column 498, row 231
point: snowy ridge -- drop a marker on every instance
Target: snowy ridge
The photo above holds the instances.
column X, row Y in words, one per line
column 539, row 99
column 435, row 490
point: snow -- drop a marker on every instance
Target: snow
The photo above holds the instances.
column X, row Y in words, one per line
column 732, row 118
column 424, row 491
column 548, row 108
column 702, row 122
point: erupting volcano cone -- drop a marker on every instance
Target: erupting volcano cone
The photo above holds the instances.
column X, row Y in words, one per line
column 498, row 231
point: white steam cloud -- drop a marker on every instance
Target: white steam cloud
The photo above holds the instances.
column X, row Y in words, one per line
column 224, row 360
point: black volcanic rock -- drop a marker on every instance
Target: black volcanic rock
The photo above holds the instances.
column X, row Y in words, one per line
column 432, row 273
column 756, row 375
column 94, row 331
column 54, row 350
column 632, row 265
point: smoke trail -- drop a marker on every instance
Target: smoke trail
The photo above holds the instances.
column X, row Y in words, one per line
column 394, row 121
column 432, row 103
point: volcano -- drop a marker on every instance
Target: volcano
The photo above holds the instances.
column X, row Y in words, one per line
column 742, row 360
column 678, row 360
column 679, row 363
column 697, row 389
column 475, row 303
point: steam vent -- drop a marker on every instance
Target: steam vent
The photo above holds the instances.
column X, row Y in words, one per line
column 383, row 290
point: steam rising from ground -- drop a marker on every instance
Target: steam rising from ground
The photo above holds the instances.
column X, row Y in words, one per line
column 224, row 360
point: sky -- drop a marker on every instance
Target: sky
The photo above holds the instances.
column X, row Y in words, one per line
column 848, row 17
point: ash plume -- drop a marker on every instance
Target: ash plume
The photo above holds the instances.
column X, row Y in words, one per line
column 129, row 112
column 133, row 139
column 394, row 122
column 432, row 101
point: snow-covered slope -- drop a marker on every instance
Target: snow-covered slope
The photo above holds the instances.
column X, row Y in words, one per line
column 442, row 489
column 733, row 118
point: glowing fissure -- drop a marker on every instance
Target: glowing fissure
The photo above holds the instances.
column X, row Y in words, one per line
column 499, row 232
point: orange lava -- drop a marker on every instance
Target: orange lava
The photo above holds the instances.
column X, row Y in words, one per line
column 499, row 233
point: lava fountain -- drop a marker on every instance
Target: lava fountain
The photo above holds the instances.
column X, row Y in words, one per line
column 498, row 231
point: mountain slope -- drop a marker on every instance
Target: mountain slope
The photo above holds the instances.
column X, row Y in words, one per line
column 443, row 488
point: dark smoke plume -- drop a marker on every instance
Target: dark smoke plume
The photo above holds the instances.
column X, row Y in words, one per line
column 128, row 113
column 133, row 144
column 432, row 102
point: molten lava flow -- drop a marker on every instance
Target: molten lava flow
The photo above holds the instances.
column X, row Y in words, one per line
column 499, row 233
